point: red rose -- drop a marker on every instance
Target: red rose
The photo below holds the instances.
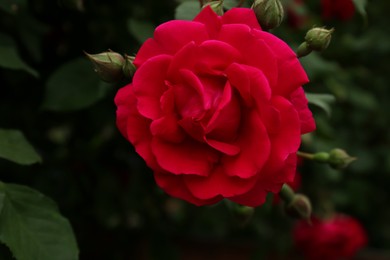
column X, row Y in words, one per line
column 339, row 9
column 216, row 108
column 337, row 238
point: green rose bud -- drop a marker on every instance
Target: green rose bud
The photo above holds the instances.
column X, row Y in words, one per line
column 299, row 207
column 129, row 68
column 108, row 65
column 269, row 13
column 339, row 159
column 318, row 39
column 216, row 6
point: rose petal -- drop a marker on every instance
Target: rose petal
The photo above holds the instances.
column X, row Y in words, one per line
column 188, row 157
column 225, row 148
column 268, row 182
column 175, row 186
column 149, row 85
column 150, row 48
column 174, row 35
column 291, row 74
column 168, row 129
column 134, row 126
column 225, row 121
column 298, row 99
column 288, row 137
column 241, row 16
column 189, row 96
column 216, row 55
column 253, row 198
column 125, row 101
column 212, row 21
column 255, row 52
column 274, row 180
column 255, row 148
column 217, row 184
column 186, row 58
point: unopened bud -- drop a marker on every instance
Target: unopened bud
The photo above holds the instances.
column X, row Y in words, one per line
column 339, row 159
column 129, row 67
column 269, row 13
column 287, row 194
column 108, row 65
column 318, row 39
column 242, row 214
column 299, row 207
column 216, row 6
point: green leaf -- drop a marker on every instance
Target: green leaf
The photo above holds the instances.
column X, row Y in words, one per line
column 187, row 10
column 360, row 6
column 141, row 30
column 323, row 101
column 10, row 58
column 12, row 6
column 316, row 66
column 15, row 147
column 73, row 86
column 32, row 227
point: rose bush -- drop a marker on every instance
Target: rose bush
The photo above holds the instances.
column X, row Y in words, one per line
column 216, row 108
column 338, row 9
column 337, row 238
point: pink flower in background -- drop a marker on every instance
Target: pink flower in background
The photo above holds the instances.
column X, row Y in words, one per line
column 337, row 238
column 338, row 9
column 216, row 108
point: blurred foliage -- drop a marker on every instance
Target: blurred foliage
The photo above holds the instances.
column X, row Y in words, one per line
column 50, row 93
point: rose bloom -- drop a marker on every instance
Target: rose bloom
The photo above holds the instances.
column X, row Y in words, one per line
column 338, row 9
column 216, row 108
column 337, row 238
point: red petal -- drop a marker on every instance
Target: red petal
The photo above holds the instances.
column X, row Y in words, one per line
column 217, row 184
column 241, row 16
column 175, row 186
column 149, row 85
column 255, row 148
column 125, row 101
column 225, row 148
column 187, row 157
column 288, row 137
column 209, row 18
column 298, row 99
column 168, row 129
column 217, row 55
column 225, row 121
column 149, row 49
column 291, row 74
column 175, row 34
column 134, row 126
column 255, row 52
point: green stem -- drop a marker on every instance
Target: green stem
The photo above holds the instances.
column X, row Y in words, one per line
column 304, row 155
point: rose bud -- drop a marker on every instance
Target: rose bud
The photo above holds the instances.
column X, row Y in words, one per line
column 269, row 13
column 216, row 6
column 299, row 207
column 108, row 65
column 339, row 159
column 129, row 68
column 318, row 39
column 243, row 214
